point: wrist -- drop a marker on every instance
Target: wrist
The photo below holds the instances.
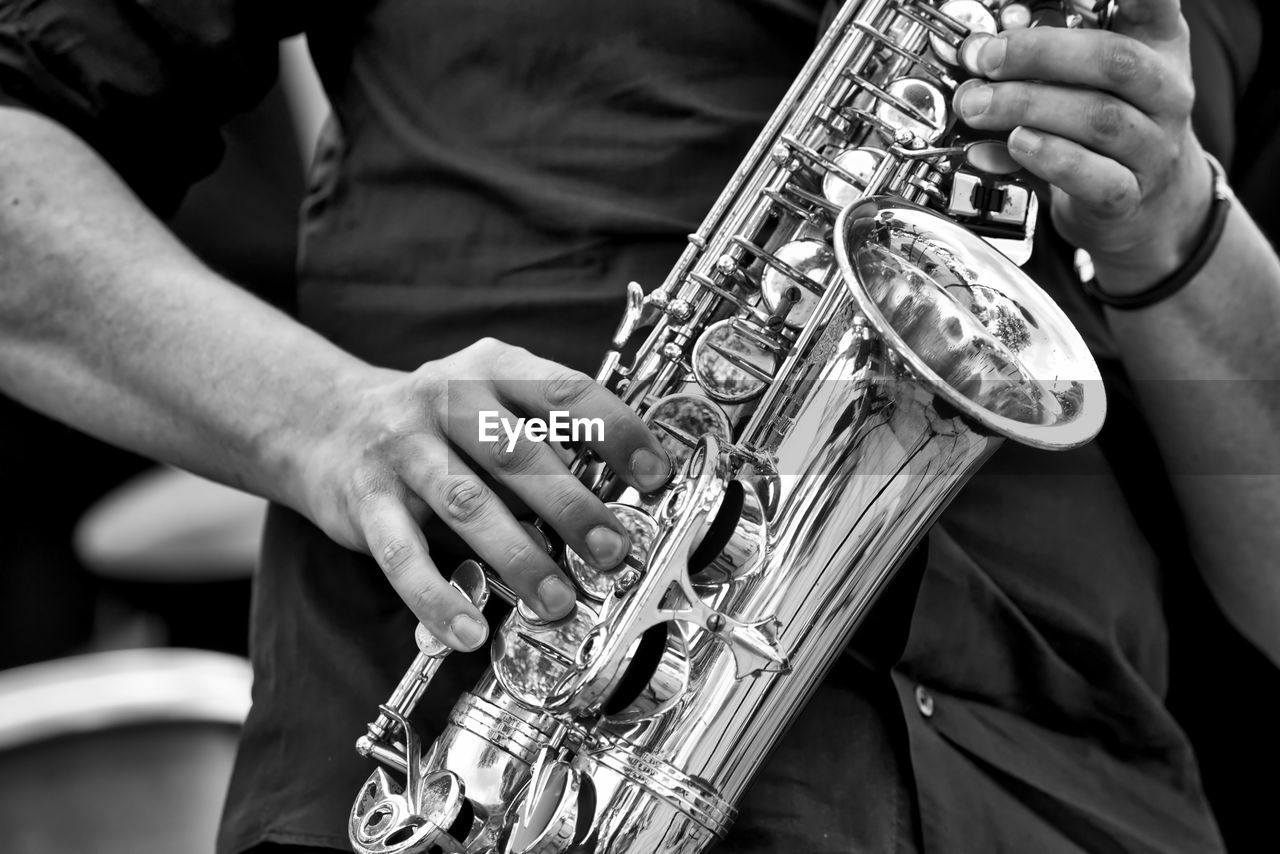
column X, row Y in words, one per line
column 1181, row 235
column 1142, row 291
column 299, row 457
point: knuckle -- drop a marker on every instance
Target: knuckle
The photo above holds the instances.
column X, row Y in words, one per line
column 427, row 601
column 505, row 360
column 575, row 503
column 1182, row 30
column 521, row 555
column 1171, row 90
column 1105, row 118
column 1115, row 197
column 1166, row 164
column 486, row 346
column 369, row 484
column 463, row 501
column 513, row 459
column 396, row 557
column 430, row 389
column 1121, row 62
column 388, row 445
column 566, row 389
column 1181, row 95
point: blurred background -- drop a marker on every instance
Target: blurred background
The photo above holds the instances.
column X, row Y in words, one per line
column 124, row 586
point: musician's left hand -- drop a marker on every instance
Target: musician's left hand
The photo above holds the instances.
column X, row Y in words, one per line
column 1105, row 117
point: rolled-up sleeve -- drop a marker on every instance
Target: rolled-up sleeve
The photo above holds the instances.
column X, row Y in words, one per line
column 148, row 83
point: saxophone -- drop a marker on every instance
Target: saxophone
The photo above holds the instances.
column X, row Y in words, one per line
column 842, row 343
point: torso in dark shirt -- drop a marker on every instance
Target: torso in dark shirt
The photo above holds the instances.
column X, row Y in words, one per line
column 504, row 169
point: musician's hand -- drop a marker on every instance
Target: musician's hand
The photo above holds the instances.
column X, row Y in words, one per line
column 407, row 445
column 1103, row 116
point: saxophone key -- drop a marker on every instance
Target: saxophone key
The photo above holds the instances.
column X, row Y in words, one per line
column 910, row 103
column 849, row 180
column 730, row 367
column 991, row 157
column 969, row 16
column 469, row 580
column 706, row 284
column 548, row 817
column 597, row 584
column 530, row 657
column 795, row 279
column 680, row 419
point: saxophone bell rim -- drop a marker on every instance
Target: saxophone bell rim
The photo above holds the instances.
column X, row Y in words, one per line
column 856, row 224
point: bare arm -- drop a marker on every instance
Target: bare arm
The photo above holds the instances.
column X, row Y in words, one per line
column 109, row 323
column 106, row 322
column 1105, row 118
column 1206, row 364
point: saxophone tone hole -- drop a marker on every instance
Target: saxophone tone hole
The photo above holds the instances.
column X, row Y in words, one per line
column 733, row 545
column 655, row 678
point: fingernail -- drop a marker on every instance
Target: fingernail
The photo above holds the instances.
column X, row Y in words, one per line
column 468, row 630
column 974, row 101
column 969, row 51
column 991, row 54
column 607, row 546
column 1025, row 140
column 982, row 53
column 557, row 598
column 650, row 470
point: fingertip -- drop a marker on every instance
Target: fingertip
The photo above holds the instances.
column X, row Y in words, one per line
column 650, row 469
column 556, row 599
column 1025, row 142
column 972, row 98
column 969, row 52
column 607, row 546
column 466, row 632
column 982, row 54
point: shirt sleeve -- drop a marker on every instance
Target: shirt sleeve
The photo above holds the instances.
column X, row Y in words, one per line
column 147, row 83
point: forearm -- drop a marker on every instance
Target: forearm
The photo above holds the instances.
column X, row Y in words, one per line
column 1207, row 371
column 108, row 323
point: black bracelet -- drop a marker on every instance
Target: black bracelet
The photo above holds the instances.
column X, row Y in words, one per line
column 1178, row 279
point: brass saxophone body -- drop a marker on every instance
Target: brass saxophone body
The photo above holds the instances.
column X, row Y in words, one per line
column 837, row 350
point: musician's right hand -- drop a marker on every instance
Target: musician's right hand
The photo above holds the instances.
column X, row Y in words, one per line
column 407, row 446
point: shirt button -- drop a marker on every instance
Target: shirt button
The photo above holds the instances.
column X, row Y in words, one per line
column 924, row 701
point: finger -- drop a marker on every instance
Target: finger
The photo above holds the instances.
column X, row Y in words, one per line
column 1154, row 20
column 396, row 543
column 1093, row 59
column 1094, row 119
column 617, row 434
column 1090, row 178
column 475, row 513
column 536, row 474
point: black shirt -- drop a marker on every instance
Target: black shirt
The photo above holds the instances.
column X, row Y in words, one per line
column 503, row 169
